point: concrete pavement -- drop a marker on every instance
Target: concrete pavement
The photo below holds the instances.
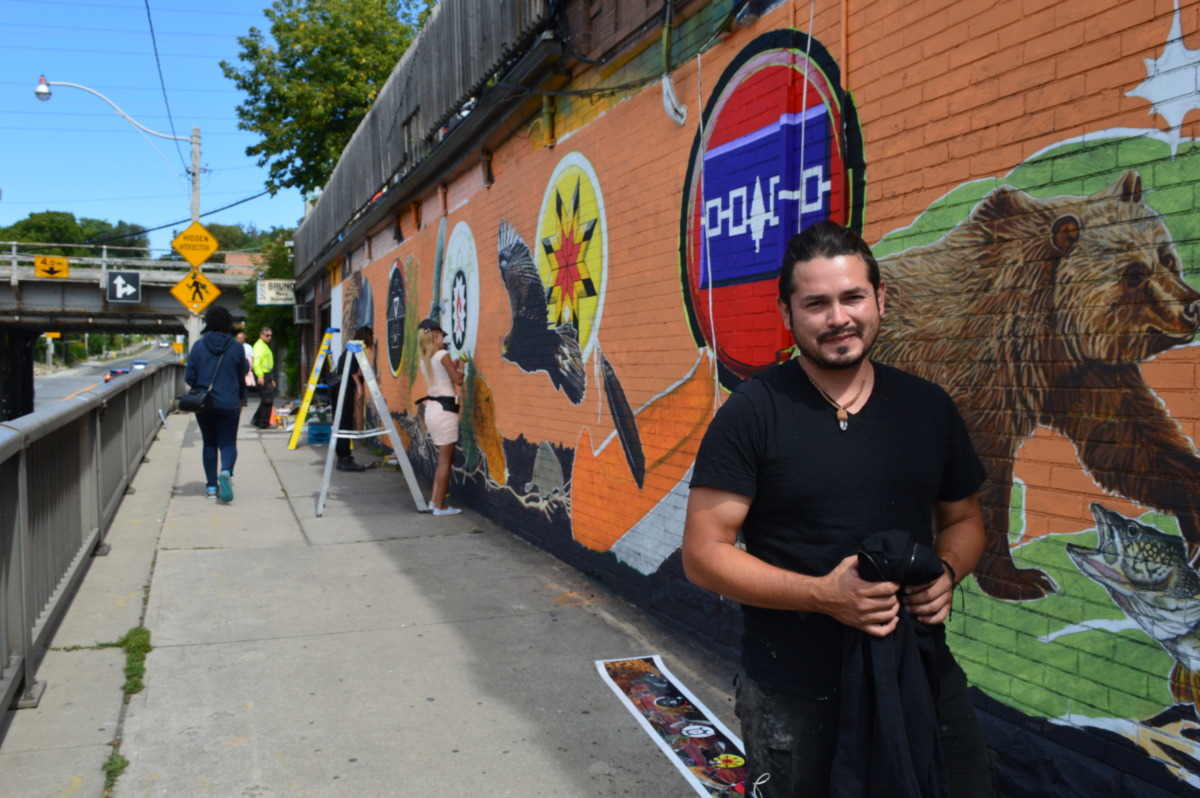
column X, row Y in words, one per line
column 374, row 651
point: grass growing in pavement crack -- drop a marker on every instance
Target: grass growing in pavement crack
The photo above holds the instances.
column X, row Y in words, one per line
column 136, row 643
column 113, row 768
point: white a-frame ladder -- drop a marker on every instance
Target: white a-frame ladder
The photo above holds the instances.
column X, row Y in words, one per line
column 355, row 349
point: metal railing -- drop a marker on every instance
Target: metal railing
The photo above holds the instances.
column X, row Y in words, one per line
column 63, row 472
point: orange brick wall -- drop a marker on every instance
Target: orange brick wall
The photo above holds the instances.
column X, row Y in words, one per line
column 951, row 101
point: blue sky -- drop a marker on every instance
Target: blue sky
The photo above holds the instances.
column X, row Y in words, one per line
column 74, row 153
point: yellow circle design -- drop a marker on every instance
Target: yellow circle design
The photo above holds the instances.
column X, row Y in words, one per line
column 572, row 249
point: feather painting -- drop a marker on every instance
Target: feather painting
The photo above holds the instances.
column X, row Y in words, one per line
column 623, row 420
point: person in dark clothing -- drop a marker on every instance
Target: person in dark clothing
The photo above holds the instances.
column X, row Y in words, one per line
column 807, row 461
column 352, row 412
column 218, row 358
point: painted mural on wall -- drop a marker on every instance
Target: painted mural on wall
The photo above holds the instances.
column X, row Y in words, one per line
column 459, row 292
column 1036, row 312
column 358, row 310
column 1068, row 298
column 1048, row 301
column 778, row 146
column 556, row 294
column 778, row 149
column 397, row 313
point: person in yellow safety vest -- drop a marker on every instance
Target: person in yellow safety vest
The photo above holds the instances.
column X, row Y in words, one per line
column 264, row 375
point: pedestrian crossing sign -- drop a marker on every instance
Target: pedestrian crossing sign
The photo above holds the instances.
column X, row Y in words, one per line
column 195, row 292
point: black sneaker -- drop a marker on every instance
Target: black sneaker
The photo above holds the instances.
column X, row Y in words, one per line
column 350, row 465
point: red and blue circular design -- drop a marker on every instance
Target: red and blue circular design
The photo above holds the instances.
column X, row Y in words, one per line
column 779, row 148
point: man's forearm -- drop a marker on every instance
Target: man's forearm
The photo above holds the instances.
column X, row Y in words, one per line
column 961, row 545
column 738, row 575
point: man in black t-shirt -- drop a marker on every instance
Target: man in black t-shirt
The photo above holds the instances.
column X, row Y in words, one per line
column 807, row 461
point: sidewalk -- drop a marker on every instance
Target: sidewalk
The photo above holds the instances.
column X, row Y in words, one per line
column 374, row 651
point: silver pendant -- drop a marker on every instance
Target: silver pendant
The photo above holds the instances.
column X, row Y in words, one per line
column 844, row 424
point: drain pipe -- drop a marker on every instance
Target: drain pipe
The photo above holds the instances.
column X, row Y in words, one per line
column 674, row 109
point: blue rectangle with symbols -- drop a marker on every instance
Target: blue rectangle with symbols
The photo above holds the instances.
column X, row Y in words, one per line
column 756, row 196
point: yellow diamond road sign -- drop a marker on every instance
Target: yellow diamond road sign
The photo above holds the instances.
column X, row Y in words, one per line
column 195, row 291
column 51, row 267
column 195, row 244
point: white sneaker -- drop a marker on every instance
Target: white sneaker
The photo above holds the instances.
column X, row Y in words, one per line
column 446, row 511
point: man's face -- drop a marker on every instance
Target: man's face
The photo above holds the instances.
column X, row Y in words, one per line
column 241, row 338
column 834, row 312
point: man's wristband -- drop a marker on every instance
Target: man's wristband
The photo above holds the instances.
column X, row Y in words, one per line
column 953, row 574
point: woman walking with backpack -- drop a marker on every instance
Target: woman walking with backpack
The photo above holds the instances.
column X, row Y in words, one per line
column 218, row 360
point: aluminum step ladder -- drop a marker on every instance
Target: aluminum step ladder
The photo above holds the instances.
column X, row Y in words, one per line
column 355, row 349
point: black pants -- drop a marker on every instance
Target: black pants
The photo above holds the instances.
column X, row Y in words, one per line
column 218, row 433
column 342, row 447
column 793, row 740
column 266, row 393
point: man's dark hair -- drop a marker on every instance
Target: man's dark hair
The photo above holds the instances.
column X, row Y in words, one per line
column 218, row 319
column 826, row 239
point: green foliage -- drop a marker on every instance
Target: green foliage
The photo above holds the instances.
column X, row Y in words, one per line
column 63, row 229
column 136, row 643
column 310, row 81
column 73, row 352
column 277, row 265
column 113, row 768
column 236, row 238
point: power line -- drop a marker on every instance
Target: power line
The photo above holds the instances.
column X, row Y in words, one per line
column 79, row 200
column 163, row 83
column 25, row 83
column 76, row 50
column 115, row 5
column 69, row 30
column 97, row 130
column 134, row 233
column 44, row 113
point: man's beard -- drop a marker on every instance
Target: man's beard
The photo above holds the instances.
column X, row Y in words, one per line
column 817, row 358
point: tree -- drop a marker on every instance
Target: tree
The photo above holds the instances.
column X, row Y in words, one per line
column 312, row 81
column 62, row 228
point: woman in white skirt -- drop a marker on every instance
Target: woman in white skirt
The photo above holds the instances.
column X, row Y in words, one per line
column 443, row 375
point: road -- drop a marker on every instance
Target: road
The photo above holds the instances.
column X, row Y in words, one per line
column 52, row 388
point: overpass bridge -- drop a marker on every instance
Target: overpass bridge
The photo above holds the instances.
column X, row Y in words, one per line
column 85, row 301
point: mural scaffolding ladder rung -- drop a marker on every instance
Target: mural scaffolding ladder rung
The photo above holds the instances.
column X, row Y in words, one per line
column 355, row 349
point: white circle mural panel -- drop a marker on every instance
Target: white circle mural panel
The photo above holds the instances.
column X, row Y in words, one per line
column 460, row 291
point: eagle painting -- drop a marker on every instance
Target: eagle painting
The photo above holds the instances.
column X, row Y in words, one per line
column 532, row 343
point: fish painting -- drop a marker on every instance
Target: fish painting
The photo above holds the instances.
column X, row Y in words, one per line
column 1146, row 572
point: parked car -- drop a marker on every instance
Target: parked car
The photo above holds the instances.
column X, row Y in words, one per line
column 114, row 373
column 138, row 365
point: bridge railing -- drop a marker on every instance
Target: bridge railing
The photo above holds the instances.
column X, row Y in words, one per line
column 63, row 472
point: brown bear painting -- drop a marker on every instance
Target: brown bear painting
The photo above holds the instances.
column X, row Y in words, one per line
column 1038, row 312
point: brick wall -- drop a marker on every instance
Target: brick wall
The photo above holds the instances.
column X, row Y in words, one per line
column 962, row 138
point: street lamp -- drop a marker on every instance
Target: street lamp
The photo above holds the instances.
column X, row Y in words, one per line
column 42, row 92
